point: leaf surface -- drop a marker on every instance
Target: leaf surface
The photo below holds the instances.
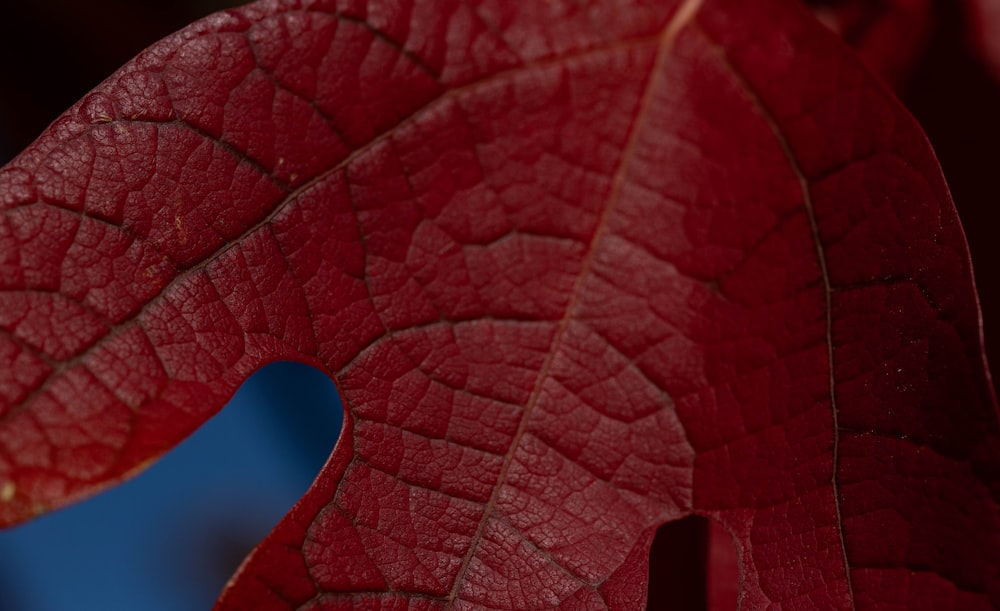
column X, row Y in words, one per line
column 578, row 269
column 892, row 36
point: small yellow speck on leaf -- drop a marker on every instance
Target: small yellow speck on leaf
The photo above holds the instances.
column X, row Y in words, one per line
column 7, row 491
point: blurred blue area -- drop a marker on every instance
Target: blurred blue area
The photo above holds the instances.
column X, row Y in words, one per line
column 169, row 539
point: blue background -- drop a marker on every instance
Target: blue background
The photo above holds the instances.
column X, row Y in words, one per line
column 169, row 539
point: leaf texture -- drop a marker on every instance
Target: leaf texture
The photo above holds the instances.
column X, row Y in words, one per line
column 577, row 268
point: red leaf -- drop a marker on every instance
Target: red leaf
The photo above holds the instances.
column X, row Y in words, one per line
column 891, row 36
column 577, row 270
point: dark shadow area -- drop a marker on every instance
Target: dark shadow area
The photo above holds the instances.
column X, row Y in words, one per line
column 11, row 595
column 693, row 566
column 297, row 399
column 955, row 98
column 56, row 50
column 678, row 561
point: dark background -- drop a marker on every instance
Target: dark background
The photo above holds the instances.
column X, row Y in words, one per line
column 54, row 51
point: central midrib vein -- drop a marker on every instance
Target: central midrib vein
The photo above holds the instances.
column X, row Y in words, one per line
column 684, row 14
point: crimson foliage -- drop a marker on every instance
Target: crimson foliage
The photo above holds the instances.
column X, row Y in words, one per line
column 578, row 270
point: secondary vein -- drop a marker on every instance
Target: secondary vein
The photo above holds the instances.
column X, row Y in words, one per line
column 803, row 182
